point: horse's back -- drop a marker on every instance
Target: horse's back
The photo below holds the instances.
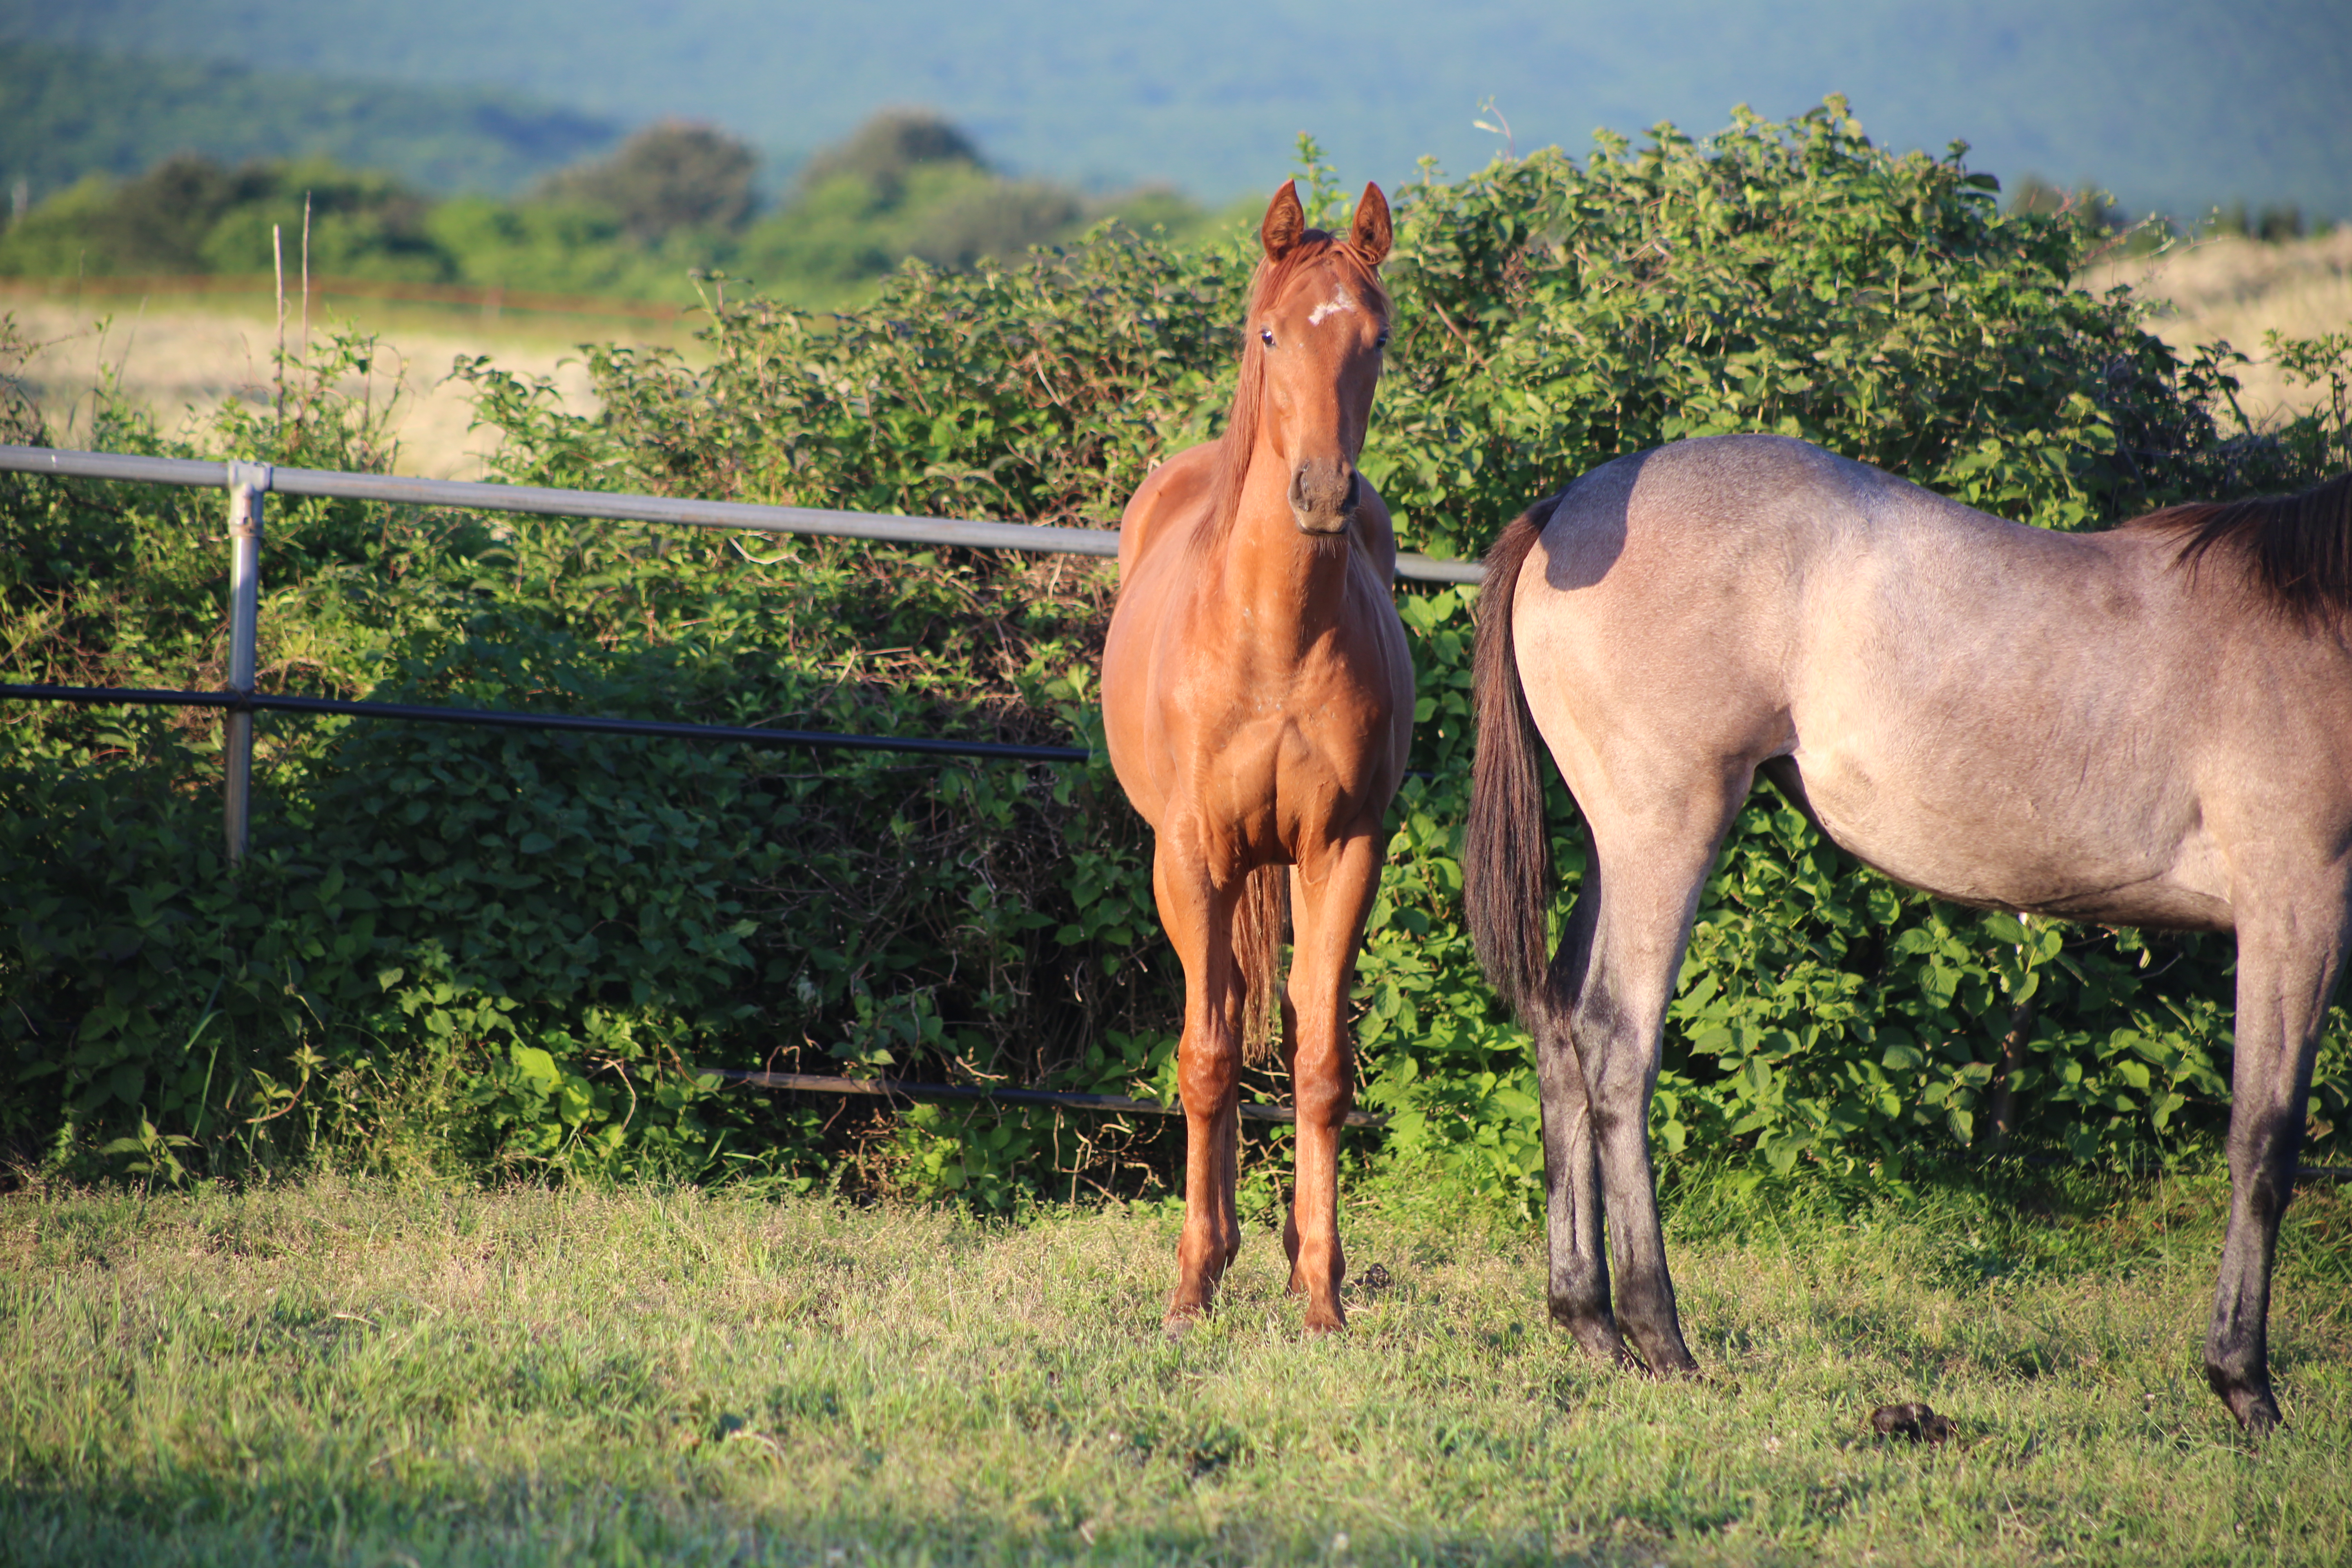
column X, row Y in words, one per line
column 2000, row 714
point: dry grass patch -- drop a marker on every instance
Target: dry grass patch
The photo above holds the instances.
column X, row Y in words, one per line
column 179, row 358
column 2234, row 289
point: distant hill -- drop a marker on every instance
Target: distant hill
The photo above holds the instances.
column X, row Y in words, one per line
column 2180, row 104
column 65, row 112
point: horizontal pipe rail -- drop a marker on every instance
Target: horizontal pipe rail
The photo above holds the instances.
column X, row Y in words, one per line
column 499, row 718
column 895, row 1088
column 546, row 500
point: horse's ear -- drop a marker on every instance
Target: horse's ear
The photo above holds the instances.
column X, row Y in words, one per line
column 1372, row 233
column 1286, row 221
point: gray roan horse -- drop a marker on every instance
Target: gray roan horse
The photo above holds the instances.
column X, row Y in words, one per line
column 2149, row 726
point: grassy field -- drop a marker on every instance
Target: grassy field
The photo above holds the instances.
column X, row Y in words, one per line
column 335, row 1371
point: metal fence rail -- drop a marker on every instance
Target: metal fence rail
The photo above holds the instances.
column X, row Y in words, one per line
column 248, row 483
column 548, row 501
column 499, row 719
column 1111, row 1104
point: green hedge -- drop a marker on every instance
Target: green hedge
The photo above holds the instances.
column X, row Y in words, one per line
column 515, row 951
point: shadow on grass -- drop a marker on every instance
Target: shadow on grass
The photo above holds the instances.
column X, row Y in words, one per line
column 520, row 1524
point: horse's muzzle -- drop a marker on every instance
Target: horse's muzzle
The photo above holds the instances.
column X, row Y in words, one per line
column 1324, row 495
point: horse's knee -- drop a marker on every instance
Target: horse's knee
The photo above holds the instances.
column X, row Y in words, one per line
column 1205, row 1082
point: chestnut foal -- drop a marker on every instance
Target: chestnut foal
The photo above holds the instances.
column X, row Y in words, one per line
column 1257, row 699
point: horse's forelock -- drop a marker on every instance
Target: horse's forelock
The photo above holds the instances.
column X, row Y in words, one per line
column 1267, row 286
column 1315, row 246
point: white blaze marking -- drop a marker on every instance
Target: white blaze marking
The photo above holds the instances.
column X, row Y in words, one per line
column 1341, row 300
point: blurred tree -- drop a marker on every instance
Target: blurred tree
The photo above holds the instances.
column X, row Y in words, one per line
column 189, row 215
column 2278, row 224
column 2089, row 207
column 667, row 177
column 1001, row 219
column 886, row 148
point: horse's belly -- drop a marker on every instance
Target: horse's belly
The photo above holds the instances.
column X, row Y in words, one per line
column 2119, row 852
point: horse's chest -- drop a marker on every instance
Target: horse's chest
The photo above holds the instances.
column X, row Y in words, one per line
column 1286, row 778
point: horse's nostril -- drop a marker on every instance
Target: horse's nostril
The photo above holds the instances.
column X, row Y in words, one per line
column 1325, row 489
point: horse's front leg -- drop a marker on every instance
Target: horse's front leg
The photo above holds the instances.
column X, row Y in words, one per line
column 1331, row 894
column 1198, row 918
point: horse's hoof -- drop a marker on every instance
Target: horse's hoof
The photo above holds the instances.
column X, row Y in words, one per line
column 2256, row 1411
column 1599, row 1336
column 2249, row 1401
column 1326, row 1321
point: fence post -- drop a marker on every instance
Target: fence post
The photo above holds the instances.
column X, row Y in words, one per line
column 247, row 483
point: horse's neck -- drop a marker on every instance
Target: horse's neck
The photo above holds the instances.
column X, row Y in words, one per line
column 1281, row 588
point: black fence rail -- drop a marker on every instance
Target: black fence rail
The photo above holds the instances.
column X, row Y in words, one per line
column 499, row 718
column 901, row 1089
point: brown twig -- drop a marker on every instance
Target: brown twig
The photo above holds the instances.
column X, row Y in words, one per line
column 277, row 265
column 1468, row 347
column 2013, row 1058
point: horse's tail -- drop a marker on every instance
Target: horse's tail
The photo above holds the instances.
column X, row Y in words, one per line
column 1258, row 921
column 1507, row 870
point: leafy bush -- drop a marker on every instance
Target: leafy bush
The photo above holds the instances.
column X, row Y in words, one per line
column 556, row 936
column 1793, row 278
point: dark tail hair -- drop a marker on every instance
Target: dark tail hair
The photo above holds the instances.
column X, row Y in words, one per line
column 1258, row 921
column 1507, row 870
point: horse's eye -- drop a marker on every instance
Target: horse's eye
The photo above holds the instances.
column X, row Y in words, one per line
column 1382, row 341
column 1266, row 336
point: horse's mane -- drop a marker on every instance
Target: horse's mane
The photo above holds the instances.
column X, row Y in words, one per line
column 1233, row 449
column 2294, row 551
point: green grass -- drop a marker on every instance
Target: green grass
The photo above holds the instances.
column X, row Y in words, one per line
column 333, row 1371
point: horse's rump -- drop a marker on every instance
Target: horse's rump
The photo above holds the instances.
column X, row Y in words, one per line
column 2149, row 726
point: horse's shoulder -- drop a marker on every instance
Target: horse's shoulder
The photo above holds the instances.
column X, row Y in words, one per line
column 1176, row 488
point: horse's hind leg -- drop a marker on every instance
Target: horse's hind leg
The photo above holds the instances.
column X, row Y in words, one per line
column 1654, row 839
column 2288, row 959
column 1579, row 1285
